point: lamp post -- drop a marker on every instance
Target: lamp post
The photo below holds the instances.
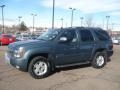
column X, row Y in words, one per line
column 107, row 18
column 2, row 18
column 53, row 14
column 33, row 20
column 81, row 20
column 19, row 17
column 61, row 22
column 72, row 9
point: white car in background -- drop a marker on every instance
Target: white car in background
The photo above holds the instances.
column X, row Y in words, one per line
column 116, row 41
column 22, row 37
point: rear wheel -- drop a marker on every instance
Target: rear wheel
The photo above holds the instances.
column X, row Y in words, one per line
column 99, row 60
column 39, row 67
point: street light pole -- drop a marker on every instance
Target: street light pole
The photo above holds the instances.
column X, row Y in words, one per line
column 107, row 17
column 81, row 20
column 19, row 19
column 2, row 18
column 53, row 14
column 33, row 20
column 72, row 9
column 62, row 22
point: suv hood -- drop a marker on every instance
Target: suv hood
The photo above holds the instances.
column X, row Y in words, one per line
column 31, row 43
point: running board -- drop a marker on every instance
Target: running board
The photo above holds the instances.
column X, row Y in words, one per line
column 69, row 65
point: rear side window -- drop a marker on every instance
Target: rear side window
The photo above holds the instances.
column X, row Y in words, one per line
column 102, row 35
column 86, row 36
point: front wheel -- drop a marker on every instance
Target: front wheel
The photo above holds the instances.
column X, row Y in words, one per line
column 99, row 60
column 39, row 67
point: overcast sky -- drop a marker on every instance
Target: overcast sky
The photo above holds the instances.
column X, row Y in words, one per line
column 97, row 9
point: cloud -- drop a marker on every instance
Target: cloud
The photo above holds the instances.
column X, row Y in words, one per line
column 85, row 6
column 16, row 0
column 9, row 20
column 117, row 13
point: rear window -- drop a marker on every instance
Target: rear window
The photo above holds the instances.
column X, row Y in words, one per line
column 102, row 35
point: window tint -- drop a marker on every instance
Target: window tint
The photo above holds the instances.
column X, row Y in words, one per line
column 102, row 35
column 86, row 36
column 71, row 35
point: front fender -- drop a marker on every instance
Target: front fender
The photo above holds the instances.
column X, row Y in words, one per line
column 34, row 51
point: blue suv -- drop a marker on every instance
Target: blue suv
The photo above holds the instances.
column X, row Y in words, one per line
column 61, row 48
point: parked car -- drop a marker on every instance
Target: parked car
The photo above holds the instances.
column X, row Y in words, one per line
column 116, row 40
column 6, row 39
column 33, row 37
column 61, row 48
column 22, row 37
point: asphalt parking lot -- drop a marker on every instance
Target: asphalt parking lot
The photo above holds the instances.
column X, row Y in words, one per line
column 75, row 78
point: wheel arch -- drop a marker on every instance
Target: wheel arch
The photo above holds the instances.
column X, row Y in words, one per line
column 98, row 50
column 45, row 55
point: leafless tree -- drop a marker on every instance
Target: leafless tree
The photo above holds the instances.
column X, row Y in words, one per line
column 89, row 21
column 23, row 27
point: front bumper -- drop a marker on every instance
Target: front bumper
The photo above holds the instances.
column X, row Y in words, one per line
column 17, row 63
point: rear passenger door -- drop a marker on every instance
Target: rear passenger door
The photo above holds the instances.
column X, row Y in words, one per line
column 86, row 44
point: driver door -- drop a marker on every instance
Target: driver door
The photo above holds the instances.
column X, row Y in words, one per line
column 67, row 52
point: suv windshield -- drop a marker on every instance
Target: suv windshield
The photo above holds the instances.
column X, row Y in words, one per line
column 49, row 35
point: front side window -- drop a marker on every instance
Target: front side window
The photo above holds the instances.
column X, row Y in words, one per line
column 86, row 36
column 71, row 36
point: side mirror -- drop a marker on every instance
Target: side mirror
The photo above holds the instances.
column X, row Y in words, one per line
column 63, row 39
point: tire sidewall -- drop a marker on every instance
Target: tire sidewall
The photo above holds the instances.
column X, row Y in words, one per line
column 34, row 60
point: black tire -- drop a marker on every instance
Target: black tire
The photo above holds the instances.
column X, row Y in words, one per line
column 32, row 66
column 95, row 60
column 0, row 43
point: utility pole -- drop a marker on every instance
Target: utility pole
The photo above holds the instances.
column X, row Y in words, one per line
column 53, row 14
column 2, row 18
column 19, row 18
column 72, row 9
column 61, row 22
column 107, row 18
column 33, row 20
column 81, row 20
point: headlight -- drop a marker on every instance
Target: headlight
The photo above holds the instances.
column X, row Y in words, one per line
column 19, row 52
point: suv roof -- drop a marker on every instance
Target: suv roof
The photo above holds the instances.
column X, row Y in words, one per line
column 88, row 28
column 98, row 32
